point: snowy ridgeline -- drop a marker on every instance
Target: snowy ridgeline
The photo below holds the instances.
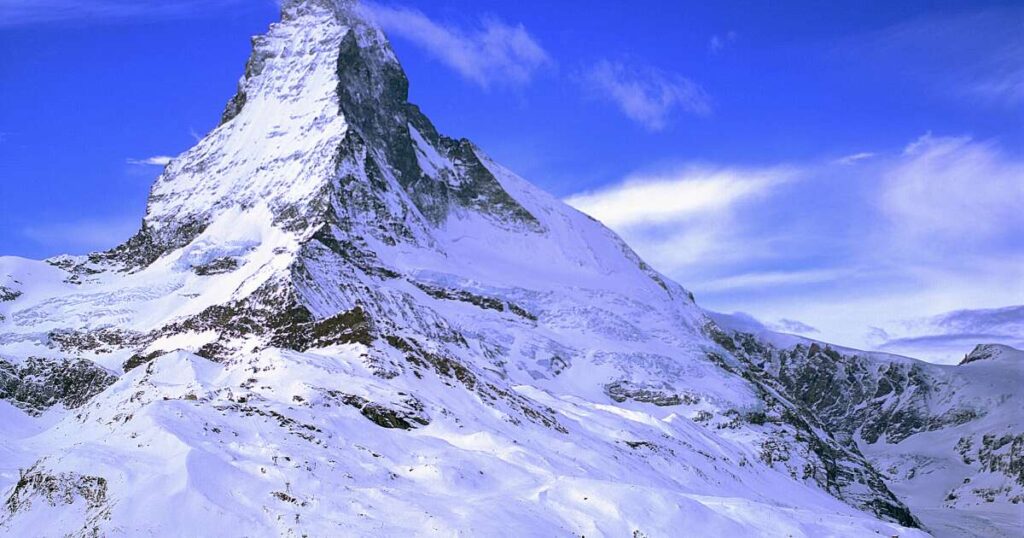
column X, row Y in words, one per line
column 337, row 321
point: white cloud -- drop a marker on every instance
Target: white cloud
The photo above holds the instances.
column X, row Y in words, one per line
column 28, row 12
column 720, row 41
column 687, row 216
column 771, row 278
column 664, row 198
column 495, row 52
column 647, row 95
column 794, row 326
column 903, row 235
column 953, row 190
column 855, row 158
column 157, row 160
column 1005, row 86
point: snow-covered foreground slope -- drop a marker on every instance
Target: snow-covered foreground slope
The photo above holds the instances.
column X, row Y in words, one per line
column 336, row 321
column 278, row 444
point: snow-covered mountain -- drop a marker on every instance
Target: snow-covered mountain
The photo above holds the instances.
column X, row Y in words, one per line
column 949, row 440
column 335, row 320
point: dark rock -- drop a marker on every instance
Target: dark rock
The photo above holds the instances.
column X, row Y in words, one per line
column 39, row 383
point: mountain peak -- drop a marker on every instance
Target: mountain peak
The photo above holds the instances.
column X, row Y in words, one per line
column 992, row 352
column 321, row 131
column 325, row 272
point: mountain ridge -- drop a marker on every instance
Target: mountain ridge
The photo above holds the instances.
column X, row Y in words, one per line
column 343, row 320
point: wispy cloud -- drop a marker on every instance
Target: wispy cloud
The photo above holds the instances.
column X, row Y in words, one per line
column 954, row 190
column 975, row 56
column 952, row 334
column 855, row 158
column 794, row 326
column 29, row 12
column 687, row 215
column 493, row 53
column 157, row 160
column 646, row 95
column 772, row 278
column 907, row 233
column 744, row 322
column 646, row 199
column 718, row 42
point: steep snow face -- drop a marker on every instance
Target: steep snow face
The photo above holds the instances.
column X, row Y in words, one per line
column 279, row 147
column 347, row 322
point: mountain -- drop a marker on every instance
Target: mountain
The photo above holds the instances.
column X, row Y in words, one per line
column 335, row 320
column 949, row 440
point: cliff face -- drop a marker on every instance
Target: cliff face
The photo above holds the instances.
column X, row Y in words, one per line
column 945, row 438
column 335, row 319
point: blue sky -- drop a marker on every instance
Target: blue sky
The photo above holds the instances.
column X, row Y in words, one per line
column 851, row 171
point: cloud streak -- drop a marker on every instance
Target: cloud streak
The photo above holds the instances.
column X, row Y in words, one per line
column 772, row 278
column 493, row 53
column 952, row 334
column 157, row 160
column 687, row 216
column 867, row 241
column 646, row 95
column 953, row 190
column 850, row 160
column 677, row 195
column 975, row 56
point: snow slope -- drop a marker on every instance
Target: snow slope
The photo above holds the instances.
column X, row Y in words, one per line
column 336, row 320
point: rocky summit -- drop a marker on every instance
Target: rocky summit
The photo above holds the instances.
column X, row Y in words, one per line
column 336, row 321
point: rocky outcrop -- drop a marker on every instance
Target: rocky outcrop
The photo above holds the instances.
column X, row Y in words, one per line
column 853, row 394
column 987, row 352
column 39, row 383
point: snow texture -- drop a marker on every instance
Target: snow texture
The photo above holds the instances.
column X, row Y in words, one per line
column 336, row 321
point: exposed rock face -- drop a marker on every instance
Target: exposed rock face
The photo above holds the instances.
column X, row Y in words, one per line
column 38, row 384
column 7, row 294
column 347, row 322
column 969, row 413
column 987, row 352
column 66, row 492
column 857, row 395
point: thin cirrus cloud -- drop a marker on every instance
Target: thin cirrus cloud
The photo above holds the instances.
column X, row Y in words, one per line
column 493, row 53
column 651, row 199
column 719, row 42
column 974, row 56
column 688, row 216
column 32, row 12
column 956, row 191
column 953, row 333
column 646, row 95
column 909, row 232
column 772, row 278
column 855, row 158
